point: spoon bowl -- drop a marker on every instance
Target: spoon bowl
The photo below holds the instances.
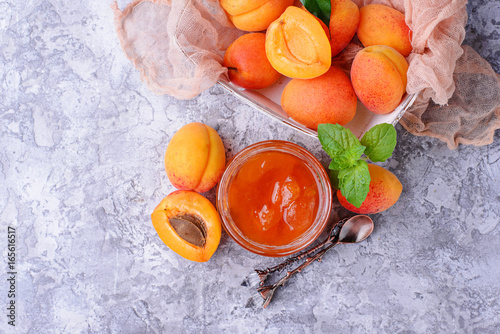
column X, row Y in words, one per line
column 356, row 229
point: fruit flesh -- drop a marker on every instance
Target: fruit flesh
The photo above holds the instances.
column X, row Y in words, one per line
column 254, row 15
column 190, row 207
column 297, row 45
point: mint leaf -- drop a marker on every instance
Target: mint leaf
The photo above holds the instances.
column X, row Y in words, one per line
column 326, row 9
column 319, row 8
column 380, row 142
column 354, row 183
column 340, row 144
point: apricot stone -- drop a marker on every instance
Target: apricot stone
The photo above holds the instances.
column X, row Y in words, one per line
column 383, row 25
column 195, row 158
column 378, row 75
column 188, row 224
column 247, row 63
column 344, row 21
column 297, row 46
column 328, row 98
column 384, row 192
column 255, row 15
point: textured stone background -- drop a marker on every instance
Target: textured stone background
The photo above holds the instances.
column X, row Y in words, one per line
column 81, row 169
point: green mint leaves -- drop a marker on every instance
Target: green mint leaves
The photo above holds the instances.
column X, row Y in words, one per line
column 349, row 170
column 354, row 183
column 340, row 143
column 380, row 141
column 319, row 8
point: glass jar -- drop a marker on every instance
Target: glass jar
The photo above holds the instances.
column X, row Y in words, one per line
column 302, row 158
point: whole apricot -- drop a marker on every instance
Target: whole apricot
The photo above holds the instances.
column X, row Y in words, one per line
column 247, row 63
column 195, row 158
column 297, row 45
column 328, row 98
column 378, row 75
column 384, row 192
column 383, row 25
column 344, row 21
column 188, row 224
column 255, row 15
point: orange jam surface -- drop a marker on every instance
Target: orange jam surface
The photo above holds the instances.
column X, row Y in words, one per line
column 273, row 199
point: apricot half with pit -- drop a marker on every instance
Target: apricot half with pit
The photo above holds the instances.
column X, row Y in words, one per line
column 195, row 158
column 188, row 224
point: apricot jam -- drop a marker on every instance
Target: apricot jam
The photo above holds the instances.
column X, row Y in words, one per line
column 274, row 198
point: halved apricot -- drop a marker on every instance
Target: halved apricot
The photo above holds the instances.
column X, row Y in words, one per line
column 188, row 224
column 255, row 15
column 297, row 45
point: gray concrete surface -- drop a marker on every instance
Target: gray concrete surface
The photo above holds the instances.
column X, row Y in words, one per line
column 81, row 169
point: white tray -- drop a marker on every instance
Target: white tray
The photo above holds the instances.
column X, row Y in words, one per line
column 267, row 100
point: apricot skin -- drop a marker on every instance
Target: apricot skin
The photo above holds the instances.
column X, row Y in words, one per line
column 195, row 158
column 247, row 63
column 344, row 21
column 254, row 15
column 328, row 98
column 297, row 46
column 378, row 75
column 383, row 193
column 187, row 202
column 383, row 25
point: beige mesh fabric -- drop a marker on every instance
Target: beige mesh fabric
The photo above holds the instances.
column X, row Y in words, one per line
column 471, row 115
column 178, row 45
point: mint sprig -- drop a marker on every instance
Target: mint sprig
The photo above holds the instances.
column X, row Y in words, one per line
column 349, row 169
column 340, row 143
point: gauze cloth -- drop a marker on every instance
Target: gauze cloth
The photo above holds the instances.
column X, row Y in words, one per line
column 178, row 47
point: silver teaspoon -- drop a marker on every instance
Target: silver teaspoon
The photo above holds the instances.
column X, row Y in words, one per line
column 353, row 230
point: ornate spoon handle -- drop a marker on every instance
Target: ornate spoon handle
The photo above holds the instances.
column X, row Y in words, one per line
column 267, row 291
column 332, row 237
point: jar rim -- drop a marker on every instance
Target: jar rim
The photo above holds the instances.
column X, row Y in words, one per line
column 324, row 191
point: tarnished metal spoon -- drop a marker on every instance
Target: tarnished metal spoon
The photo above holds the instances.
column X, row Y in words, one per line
column 352, row 230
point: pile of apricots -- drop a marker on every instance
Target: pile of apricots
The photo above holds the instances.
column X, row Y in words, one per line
column 285, row 39
column 189, row 224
